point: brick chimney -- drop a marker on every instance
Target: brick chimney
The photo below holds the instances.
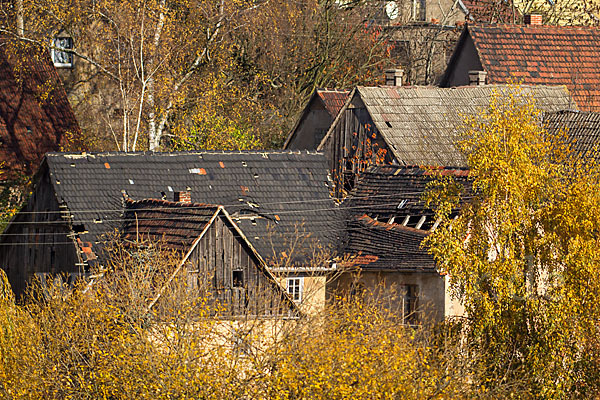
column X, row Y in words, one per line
column 184, row 197
column 477, row 78
column 393, row 77
column 532, row 19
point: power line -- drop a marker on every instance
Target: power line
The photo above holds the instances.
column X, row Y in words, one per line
column 250, row 199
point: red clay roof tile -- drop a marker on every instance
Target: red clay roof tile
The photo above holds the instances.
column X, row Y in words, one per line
column 547, row 55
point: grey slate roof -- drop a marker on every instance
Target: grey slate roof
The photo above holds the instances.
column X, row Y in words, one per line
column 388, row 191
column 374, row 245
column 420, row 124
column 582, row 130
column 276, row 195
column 383, row 197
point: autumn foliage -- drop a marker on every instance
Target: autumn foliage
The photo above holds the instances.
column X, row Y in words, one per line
column 523, row 253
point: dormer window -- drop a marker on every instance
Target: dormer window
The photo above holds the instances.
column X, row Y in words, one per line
column 60, row 57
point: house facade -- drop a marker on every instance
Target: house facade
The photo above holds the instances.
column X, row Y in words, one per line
column 383, row 251
column 316, row 118
column 216, row 257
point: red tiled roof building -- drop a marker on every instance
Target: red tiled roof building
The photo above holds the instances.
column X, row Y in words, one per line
column 35, row 115
column 533, row 55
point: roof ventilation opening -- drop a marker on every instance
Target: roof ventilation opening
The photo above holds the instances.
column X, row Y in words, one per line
column 532, row 19
column 393, row 77
column 183, row 197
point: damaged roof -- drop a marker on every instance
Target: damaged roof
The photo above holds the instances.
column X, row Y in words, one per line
column 278, row 199
column 420, row 124
column 375, row 245
column 177, row 225
column 35, row 115
column 390, row 190
column 389, row 219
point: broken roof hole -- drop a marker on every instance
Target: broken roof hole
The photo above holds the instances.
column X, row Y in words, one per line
column 170, row 188
column 255, row 176
column 163, row 195
column 244, row 163
column 79, row 228
column 72, row 164
column 388, row 124
column 131, row 182
column 98, row 220
column 253, row 220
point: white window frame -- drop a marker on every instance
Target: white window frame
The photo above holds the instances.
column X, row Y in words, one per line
column 54, row 52
column 294, row 287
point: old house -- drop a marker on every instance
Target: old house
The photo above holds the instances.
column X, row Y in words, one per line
column 388, row 222
column 35, row 116
column 316, row 118
column 412, row 125
column 280, row 200
column 215, row 255
column 533, row 54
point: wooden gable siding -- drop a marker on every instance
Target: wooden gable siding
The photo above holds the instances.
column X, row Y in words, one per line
column 212, row 263
column 37, row 241
column 354, row 145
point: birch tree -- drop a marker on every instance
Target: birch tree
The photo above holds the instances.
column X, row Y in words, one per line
column 523, row 253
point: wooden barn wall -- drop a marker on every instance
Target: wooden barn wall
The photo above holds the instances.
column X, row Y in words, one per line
column 221, row 252
column 354, row 146
column 37, row 242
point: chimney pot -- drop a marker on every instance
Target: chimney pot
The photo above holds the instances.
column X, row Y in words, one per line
column 477, row 78
column 532, row 19
column 393, row 77
column 183, row 197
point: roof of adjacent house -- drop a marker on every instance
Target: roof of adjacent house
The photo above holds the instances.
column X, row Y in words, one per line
column 176, row 225
column 493, row 11
column 391, row 191
column 582, row 130
column 541, row 55
column 420, row 124
column 375, row 245
column 332, row 99
column 35, row 115
column 280, row 200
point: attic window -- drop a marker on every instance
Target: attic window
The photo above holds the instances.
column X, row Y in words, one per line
column 61, row 57
column 238, row 278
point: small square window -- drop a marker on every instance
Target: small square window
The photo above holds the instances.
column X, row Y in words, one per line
column 60, row 58
column 295, row 287
column 238, row 278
